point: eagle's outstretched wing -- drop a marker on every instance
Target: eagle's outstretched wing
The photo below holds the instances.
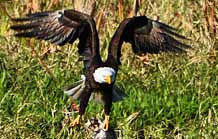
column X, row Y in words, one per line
column 146, row 36
column 61, row 27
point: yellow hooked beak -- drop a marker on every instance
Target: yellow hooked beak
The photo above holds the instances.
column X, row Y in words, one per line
column 108, row 79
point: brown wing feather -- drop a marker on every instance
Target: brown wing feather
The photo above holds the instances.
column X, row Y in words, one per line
column 146, row 36
column 61, row 27
column 156, row 37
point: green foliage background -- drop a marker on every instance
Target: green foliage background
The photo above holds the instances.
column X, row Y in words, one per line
column 176, row 95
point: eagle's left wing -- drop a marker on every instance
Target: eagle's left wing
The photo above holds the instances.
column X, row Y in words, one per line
column 146, row 36
column 62, row 27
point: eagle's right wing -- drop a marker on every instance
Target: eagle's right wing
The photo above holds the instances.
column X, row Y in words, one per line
column 145, row 36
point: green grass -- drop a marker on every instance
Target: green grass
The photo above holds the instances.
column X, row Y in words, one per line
column 176, row 96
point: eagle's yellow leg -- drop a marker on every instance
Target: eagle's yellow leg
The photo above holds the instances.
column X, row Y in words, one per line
column 75, row 121
column 106, row 122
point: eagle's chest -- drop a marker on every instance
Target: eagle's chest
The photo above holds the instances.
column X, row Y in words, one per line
column 99, row 96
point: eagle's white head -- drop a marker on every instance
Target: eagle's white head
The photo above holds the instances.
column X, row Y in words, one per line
column 104, row 75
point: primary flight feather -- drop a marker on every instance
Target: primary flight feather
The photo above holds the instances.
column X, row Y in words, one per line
column 65, row 26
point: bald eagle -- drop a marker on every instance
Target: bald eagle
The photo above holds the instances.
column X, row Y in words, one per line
column 65, row 26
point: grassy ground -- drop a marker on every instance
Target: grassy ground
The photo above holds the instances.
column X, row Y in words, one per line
column 176, row 96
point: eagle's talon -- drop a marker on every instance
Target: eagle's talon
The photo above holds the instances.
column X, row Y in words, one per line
column 75, row 121
column 105, row 125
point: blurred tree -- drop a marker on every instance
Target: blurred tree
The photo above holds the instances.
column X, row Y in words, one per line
column 85, row 6
column 209, row 8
